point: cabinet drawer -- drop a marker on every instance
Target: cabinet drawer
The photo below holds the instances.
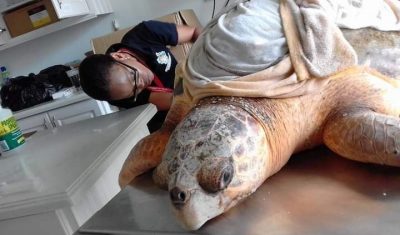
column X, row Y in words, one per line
column 75, row 113
column 33, row 123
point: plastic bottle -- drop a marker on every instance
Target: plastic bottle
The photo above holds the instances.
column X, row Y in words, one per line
column 10, row 135
column 5, row 75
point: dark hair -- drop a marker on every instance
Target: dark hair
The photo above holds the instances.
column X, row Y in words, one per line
column 94, row 73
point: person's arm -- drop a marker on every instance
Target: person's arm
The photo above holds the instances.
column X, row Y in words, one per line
column 162, row 100
column 187, row 33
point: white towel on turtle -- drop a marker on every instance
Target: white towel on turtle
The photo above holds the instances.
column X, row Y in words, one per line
column 379, row 14
column 320, row 43
column 226, row 61
column 246, row 38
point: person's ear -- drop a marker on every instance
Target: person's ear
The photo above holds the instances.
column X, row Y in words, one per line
column 120, row 56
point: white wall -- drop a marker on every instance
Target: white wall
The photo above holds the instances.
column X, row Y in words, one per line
column 71, row 44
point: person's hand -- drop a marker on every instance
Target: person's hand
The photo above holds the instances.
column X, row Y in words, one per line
column 187, row 33
column 162, row 100
column 196, row 33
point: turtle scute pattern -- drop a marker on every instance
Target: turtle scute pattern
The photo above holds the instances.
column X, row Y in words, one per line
column 208, row 136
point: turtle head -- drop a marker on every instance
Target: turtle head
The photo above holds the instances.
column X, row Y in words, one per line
column 215, row 158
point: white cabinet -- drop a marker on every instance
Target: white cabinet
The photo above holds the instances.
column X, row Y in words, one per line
column 35, row 123
column 4, row 35
column 65, row 8
column 63, row 115
column 75, row 113
column 69, row 8
column 99, row 7
column 70, row 12
column 75, row 171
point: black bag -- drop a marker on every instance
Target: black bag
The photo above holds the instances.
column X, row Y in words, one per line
column 26, row 91
column 56, row 75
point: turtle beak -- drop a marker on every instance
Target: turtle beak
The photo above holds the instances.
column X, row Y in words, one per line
column 193, row 208
column 179, row 197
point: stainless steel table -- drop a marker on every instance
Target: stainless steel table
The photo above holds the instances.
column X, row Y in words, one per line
column 317, row 192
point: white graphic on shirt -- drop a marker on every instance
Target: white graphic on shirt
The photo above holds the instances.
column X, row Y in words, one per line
column 164, row 58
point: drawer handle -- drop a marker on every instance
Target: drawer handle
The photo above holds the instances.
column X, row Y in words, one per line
column 59, row 3
column 45, row 123
column 53, row 121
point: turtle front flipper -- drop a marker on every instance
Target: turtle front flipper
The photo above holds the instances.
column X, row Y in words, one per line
column 144, row 156
column 365, row 136
column 147, row 153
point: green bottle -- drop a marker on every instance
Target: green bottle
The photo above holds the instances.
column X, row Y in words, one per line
column 10, row 134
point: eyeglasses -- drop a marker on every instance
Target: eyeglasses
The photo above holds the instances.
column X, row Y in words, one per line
column 135, row 74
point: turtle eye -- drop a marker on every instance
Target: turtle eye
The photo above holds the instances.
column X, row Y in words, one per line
column 226, row 177
column 215, row 174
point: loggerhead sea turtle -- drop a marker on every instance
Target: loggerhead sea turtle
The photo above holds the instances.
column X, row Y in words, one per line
column 215, row 154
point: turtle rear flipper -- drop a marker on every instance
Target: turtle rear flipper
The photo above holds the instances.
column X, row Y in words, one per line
column 365, row 136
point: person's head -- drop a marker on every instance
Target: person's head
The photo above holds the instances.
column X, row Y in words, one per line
column 113, row 77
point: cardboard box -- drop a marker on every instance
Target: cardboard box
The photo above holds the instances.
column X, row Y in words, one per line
column 30, row 17
column 186, row 17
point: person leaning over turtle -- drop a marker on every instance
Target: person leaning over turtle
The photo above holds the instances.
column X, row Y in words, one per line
column 138, row 70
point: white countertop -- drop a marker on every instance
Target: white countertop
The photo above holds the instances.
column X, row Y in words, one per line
column 53, row 104
column 52, row 165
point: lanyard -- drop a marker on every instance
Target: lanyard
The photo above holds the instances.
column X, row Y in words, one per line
column 159, row 86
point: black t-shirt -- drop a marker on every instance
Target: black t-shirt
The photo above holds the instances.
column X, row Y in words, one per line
column 149, row 40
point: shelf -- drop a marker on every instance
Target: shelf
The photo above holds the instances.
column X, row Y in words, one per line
column 15, row 5
column 62, row 24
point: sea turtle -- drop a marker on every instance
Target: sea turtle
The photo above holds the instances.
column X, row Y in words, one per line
column 214, row 154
